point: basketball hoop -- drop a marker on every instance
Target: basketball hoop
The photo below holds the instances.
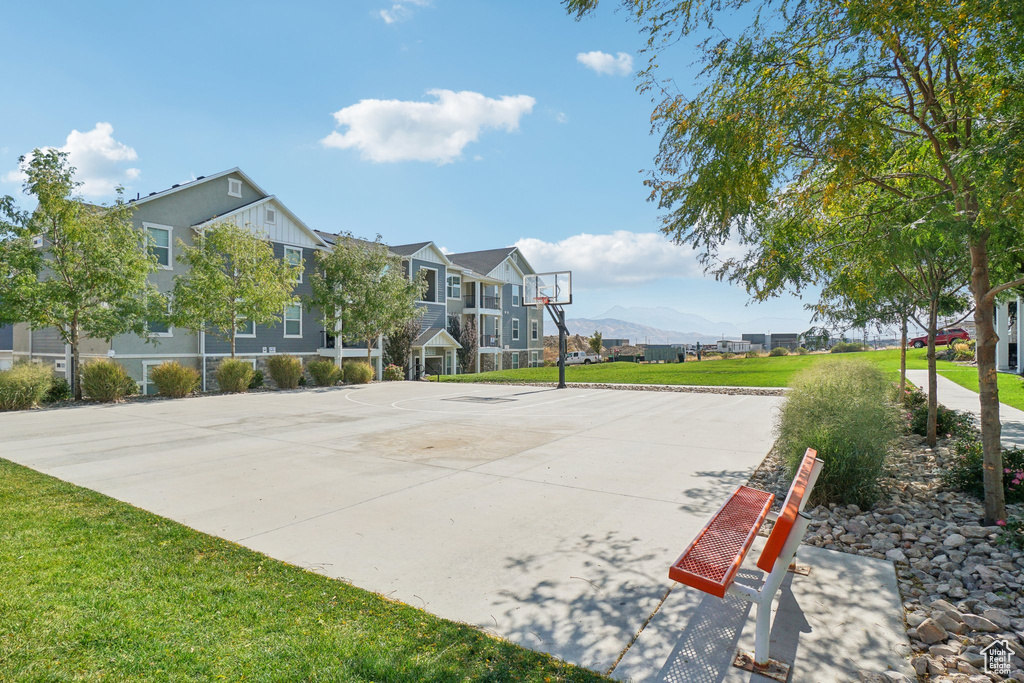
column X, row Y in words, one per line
column 542, row 300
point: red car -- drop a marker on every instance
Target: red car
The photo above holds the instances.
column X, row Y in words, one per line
column 947, row 337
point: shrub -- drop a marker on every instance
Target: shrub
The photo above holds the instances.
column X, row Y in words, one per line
column 727, row 354
column 235, row 375
column 848, row 347
column 24, row 386
column 1012, row 533
column 966, row 473
column 325, row 373
column 174, row 380
column 393, row 373
column 108, row 381
column 257, row 379
column 963, row 351
column 845, row 412
column 286, row 371
column 752, row 354
column 357, row 372
column 60, row 390
column 802, row 351
column 951, row 422
column 779, row 351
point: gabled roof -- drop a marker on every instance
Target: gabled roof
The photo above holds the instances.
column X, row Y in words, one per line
column 315, row 234
column 192, row 183
column 332, row 239
column 482, row 262
column 407, row 249
column 431, row 333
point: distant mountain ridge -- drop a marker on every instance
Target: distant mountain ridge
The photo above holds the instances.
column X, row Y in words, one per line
column 665, row 319
column 610, row 328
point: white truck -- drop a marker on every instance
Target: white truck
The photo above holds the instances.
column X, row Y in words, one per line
column 581, row 358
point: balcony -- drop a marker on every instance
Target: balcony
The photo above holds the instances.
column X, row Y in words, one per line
column 490, row 341
column 485, row 301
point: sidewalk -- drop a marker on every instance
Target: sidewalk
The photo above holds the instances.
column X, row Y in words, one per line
column 954, row 396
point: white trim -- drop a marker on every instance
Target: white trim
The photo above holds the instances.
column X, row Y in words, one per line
column 448, row 285
column 301, row 264
column 515, row 329
column 316, row 239
column 270, row 215
column 534, row 359
column 534, row 330
column 170, row 328
column 232, row 184
column 170, row 242
column 515, row 360
column 285, row 320
column 146, row 365
column 239, row 335
column 435, row 271
column 198, row 181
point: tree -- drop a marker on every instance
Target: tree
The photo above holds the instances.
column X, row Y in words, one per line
column 362, row 286
column 88, row 279
column 233, row 280
column 917, row 101
column 465, row 334
column 595, row 343
column 398, row 344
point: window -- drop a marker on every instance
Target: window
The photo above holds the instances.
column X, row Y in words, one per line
column 515, row 360
column 246, row 328
column 37, row 241
column 158, row 238
column 431, row 292
column 293, row 255
column 60, row 365
column 534, row 330
column 148, row 387
column 271, row 216
column 293, row 320
column 515, row 295
column 534, row 358
column 515, row 329
column 234, row 187
column 454, row 286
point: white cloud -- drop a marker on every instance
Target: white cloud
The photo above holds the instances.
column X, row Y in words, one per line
column 618, row 258
column 607, row 64
column 400, row 11
column 397, row 130
column 100, row 161
column 562, row 117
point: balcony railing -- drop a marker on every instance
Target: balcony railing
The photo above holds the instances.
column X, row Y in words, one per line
column 486, row 301
column 491, row 341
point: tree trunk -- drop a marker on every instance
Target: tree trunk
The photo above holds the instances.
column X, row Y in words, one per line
column 933, row 400
column 988, row 387
column 76, row 368
column 369, row 354
column 903, row 357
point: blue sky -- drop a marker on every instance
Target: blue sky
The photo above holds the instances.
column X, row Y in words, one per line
column 474, row 124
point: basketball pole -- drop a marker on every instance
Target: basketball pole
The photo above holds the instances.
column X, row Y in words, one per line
column 558, row 315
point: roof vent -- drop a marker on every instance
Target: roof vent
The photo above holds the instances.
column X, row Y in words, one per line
column 200, row 177
column 152, row 193
column 175, row 185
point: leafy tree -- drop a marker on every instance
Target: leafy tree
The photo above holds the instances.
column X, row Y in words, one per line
column 363, row 287
column 88, row 280
column 233, row 281
column 817, row 100
column 398, row 344
column 465, row 334
column 595, row 343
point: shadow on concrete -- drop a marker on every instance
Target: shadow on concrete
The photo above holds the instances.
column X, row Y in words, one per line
column 707, row 499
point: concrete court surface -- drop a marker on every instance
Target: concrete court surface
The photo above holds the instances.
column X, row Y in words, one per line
column 547, row 517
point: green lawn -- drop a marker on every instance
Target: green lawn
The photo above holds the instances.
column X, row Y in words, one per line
column 97, row 589
column 745, row 372
column 1011, row 388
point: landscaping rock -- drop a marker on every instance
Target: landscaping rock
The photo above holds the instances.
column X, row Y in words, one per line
column 930, row 632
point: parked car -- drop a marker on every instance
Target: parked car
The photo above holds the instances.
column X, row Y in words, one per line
column 581, row 358
column 947, row 336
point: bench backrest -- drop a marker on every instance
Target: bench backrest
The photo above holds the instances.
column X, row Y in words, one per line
column 795, row 499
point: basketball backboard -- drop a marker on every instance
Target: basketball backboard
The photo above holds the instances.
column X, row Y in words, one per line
column 548, row 288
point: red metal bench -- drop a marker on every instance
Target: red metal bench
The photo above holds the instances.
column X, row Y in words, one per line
column 711, row 561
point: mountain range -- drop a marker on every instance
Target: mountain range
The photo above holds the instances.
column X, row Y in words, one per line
column 664, row 325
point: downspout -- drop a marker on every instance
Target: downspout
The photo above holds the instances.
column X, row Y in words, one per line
column 202, row 353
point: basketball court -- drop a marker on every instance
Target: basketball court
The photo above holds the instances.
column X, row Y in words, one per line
column 545, row 516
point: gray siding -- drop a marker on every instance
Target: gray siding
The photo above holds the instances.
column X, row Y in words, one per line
column 273, row 336
column 47, row 340
column 435, row 314
column 510, row 313
column 6, row 337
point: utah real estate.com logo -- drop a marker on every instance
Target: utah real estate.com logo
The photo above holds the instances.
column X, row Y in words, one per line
column 997, row 657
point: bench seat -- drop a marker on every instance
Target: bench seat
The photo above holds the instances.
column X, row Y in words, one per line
column 711, row 561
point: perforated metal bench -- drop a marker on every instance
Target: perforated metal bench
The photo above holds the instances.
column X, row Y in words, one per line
column 711, row 561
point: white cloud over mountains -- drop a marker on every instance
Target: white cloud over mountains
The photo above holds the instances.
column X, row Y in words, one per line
column 438, row 131
column 100, row 161
column 618, row 258
column 607, row 64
